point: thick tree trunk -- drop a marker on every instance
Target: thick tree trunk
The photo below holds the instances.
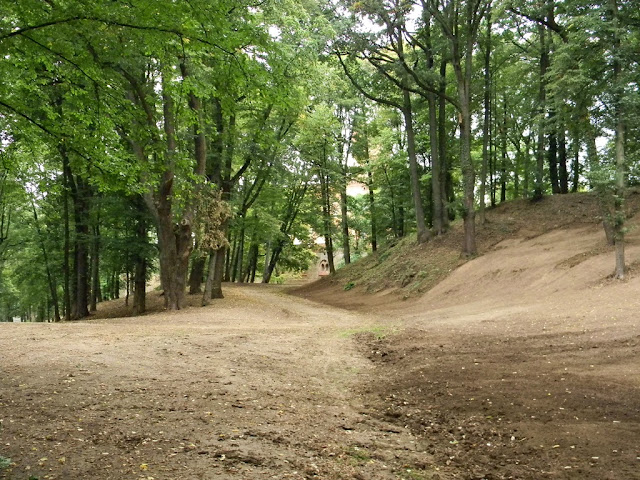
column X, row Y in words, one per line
column 175, row 241
column 208, row 286
column 213, row 287
column 196, row 275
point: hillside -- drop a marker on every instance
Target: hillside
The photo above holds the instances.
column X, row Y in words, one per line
column 406, row 270
column 520, row 363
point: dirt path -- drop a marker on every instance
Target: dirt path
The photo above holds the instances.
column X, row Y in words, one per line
column 522, row 364
column 260, row 385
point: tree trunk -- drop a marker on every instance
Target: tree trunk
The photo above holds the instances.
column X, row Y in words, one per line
column 620, row 183
column 213, row 285
column 67, row 242
column 442, row 144
column 95, row 268
column 516, row 174
column 346, row 248
column 267, row 259
column 423, row 233
column 563, row 173
column 544, row 64
column 239, row 263
column 230, row 261
column 505, row 157
column 575, row 169
column 80, row 280
column 175, row 241
column 53, row 289
column 208, row 286
column 372, row 209
column 326, row 219
column 196, row 275
column 140, row 274
column 392, row 201
column 437, row 198
column 463, row 76
column 527, row 166
column 253, row 262
column 552, row 154
column 486, row 121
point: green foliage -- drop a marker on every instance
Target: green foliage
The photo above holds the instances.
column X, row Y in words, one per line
column 89, row 90
column 4, row 463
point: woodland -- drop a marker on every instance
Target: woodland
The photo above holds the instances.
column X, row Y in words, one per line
column 205, row 142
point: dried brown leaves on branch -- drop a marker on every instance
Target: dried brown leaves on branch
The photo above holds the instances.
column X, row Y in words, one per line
column 210, row 220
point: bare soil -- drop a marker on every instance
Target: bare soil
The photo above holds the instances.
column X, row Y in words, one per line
column 522, row 363
column 260, row 385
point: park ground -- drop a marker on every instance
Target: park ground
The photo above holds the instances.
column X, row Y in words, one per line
column 523, row 363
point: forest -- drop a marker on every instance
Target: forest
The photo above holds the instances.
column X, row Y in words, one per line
column 203, row 142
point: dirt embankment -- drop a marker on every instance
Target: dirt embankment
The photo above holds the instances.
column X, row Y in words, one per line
column 524, row 362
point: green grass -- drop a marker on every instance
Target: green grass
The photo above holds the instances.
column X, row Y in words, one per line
column 4, row 463
column 379, row 331
column 349, row 286
column 359, row 454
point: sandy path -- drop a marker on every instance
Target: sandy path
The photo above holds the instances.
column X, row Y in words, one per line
column 260, row 385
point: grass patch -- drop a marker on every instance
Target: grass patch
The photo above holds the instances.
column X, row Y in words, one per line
column 379, row 331
column 410, row 474
column 358, row 455
column 4, row 463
